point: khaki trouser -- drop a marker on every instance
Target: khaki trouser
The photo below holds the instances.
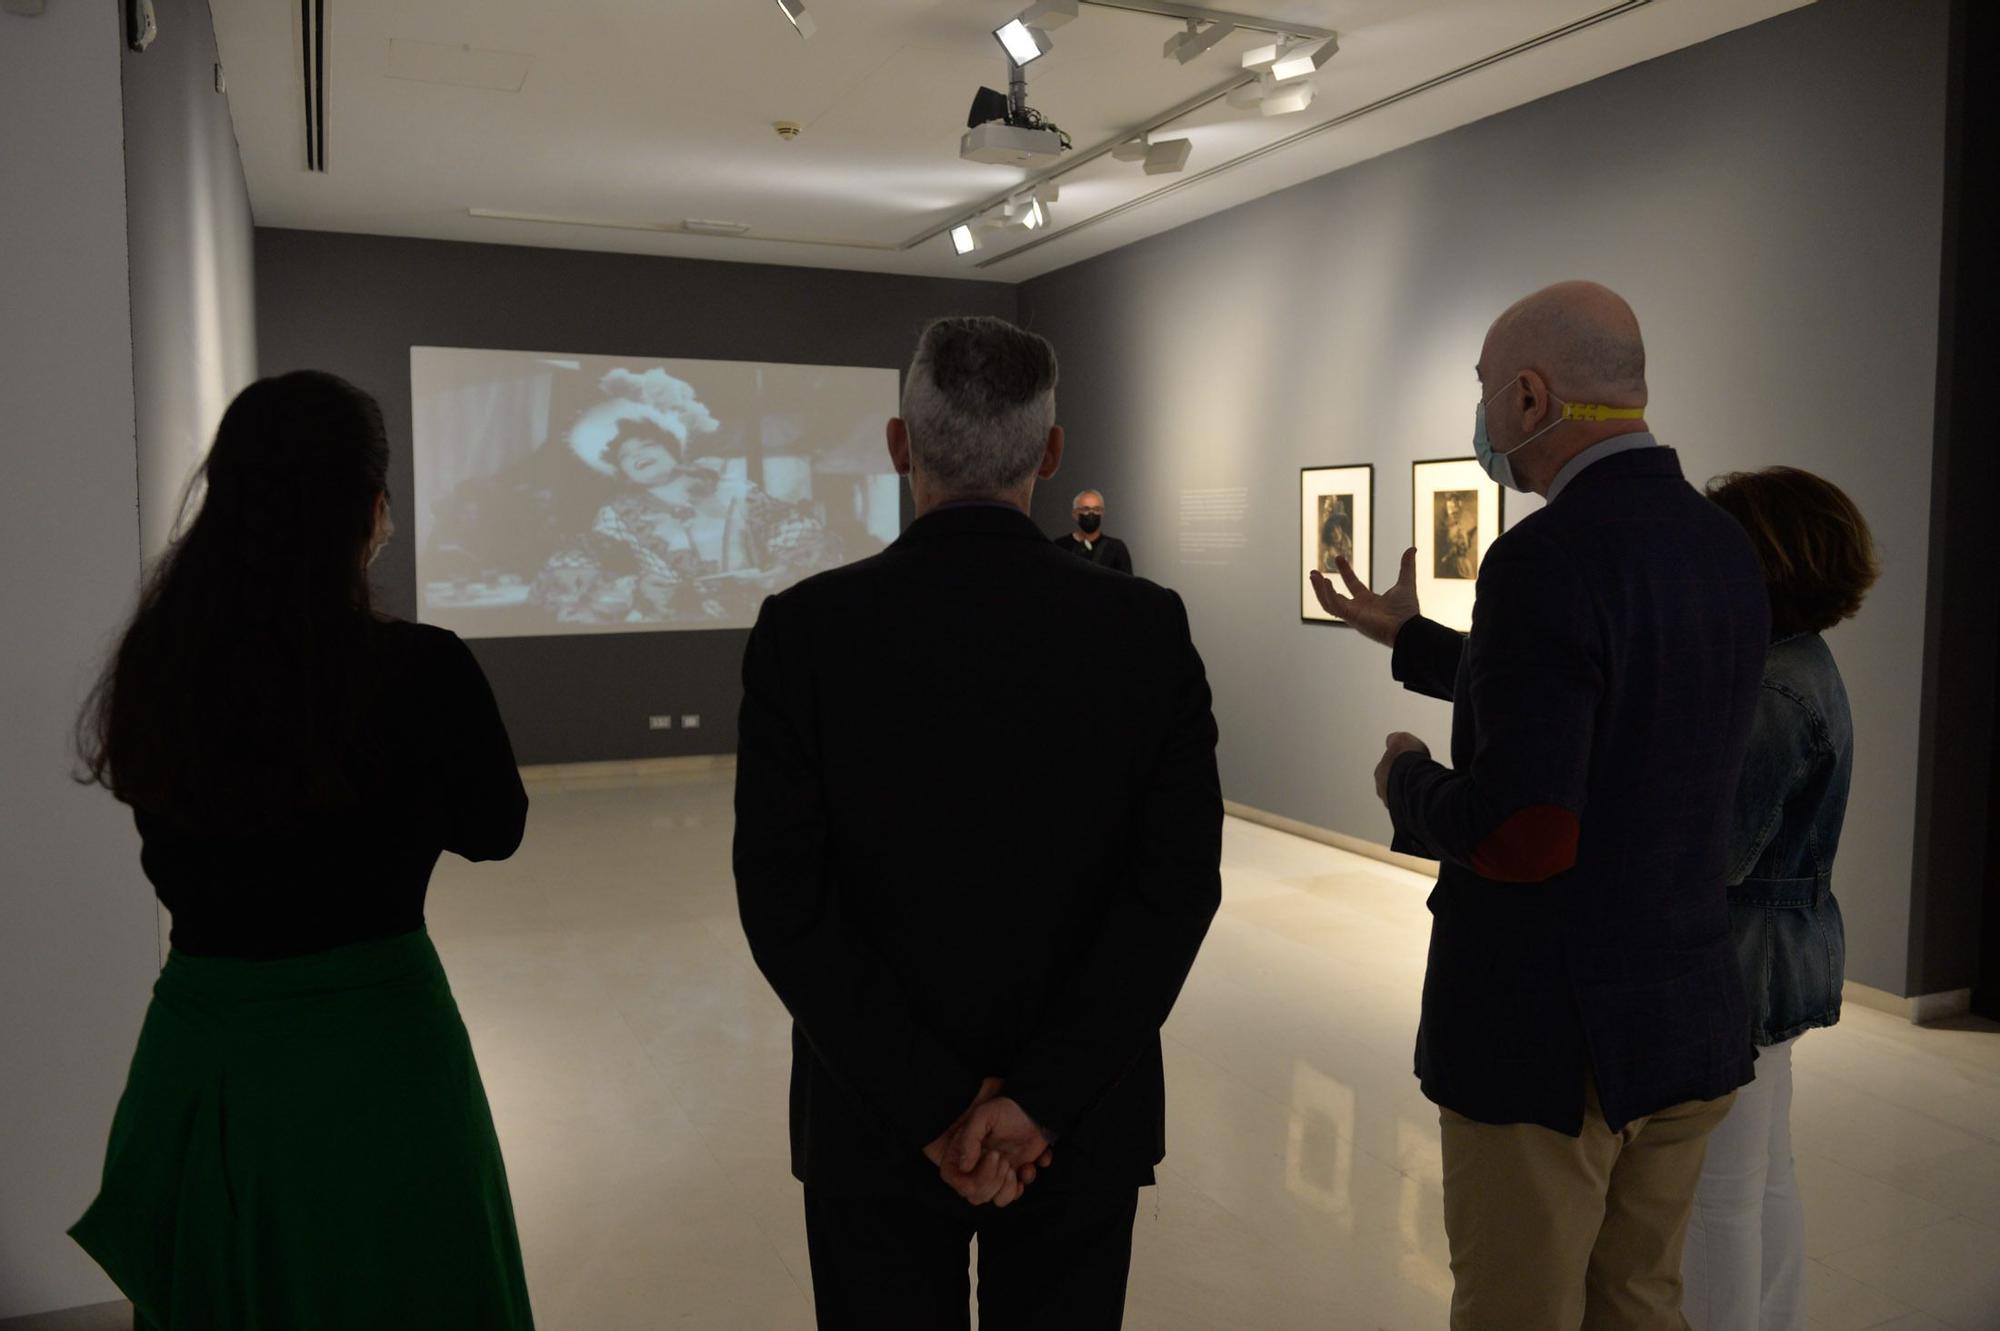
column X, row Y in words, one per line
column 1556, row 1233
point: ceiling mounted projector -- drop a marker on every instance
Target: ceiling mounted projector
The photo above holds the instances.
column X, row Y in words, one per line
column 1002, row 144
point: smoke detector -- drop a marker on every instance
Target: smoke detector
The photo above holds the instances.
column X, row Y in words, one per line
column 789, row 130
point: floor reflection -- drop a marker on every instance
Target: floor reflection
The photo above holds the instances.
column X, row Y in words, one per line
column 637, row 1066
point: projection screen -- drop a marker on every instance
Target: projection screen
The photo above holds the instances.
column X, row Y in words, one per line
column 602, row 494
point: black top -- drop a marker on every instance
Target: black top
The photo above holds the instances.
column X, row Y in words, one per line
column 1617, row 645
column 1107, row 551
column 439, row 776
column 930, row 906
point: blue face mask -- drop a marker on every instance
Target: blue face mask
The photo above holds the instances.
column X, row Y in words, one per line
column 1499, row 465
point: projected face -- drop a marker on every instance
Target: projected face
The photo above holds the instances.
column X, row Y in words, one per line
column 646, row 461
column 629, row 439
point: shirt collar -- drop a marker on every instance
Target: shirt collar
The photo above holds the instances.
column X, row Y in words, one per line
column 1622, row 443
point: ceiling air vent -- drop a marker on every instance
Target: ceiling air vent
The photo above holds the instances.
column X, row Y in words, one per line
column 312, row 79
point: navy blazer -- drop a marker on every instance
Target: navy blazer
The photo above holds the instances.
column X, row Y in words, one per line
column 1601, row 711
column 934, row 907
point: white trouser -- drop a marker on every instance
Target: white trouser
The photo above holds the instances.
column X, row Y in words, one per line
column 1744, row 1264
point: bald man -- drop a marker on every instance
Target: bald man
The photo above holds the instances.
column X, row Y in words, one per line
column 1584, row 1027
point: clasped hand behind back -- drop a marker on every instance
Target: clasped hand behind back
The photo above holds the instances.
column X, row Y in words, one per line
column 994, row 1150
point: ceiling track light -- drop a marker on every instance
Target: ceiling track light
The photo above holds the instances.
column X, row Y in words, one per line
column 1132, row 150
column 1291, row 57
column 795, row 11
column 1049, row 14
column 1271, row 97
column 1024, row 45
column 1196, row 41
column 963, row 241
column 1166, row 156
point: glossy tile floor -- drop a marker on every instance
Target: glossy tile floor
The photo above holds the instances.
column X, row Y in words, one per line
column 637, row 1067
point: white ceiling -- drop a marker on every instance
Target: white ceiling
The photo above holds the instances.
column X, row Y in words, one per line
column 644, row 113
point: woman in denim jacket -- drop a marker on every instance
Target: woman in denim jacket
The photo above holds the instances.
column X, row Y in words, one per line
column 1744, row 1264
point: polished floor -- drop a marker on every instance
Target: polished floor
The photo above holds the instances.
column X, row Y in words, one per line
column 637, row 1067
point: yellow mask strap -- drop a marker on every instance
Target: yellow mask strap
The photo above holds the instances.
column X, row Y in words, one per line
column 1593, row 411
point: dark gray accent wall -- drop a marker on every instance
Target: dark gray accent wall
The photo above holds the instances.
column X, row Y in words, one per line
column 356, row 304
column 1956, row 911
column 1771, row 203
column 194, row 341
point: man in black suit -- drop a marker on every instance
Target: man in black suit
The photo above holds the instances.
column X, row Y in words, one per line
column 977, row 961
column 1584, row 1025
column 1088, row 541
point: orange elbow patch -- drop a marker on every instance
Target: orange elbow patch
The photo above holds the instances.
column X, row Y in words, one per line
column 1533, row 845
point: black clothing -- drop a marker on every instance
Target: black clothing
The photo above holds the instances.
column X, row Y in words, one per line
column 436, row 773
column 1617, row 647
column 1106, row 551
column 1054, row 1259
column 930, row 909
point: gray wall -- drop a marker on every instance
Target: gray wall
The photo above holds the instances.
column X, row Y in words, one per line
column 1770, row 201
column 78, row 935
column 194, row 342
column 355, row 305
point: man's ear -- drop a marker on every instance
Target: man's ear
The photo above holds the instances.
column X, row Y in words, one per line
column 899, row 445
column 1536, row 400
column 1052, row 455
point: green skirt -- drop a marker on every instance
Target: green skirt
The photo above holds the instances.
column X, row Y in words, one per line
column 305, row 1144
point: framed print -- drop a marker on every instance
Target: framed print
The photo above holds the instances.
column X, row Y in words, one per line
column 1455, row 519
column 1336, row 521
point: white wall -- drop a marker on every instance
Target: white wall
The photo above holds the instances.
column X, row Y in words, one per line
column 78, row 933
column 194, row 337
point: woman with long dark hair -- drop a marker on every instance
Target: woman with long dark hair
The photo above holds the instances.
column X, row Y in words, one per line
column 1744, row 1263
column 304, row 1141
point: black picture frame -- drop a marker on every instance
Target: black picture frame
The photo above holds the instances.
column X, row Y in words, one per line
column 1364, row 538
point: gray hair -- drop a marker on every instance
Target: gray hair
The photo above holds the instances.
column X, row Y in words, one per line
column 980, row 400
column 1077, row 502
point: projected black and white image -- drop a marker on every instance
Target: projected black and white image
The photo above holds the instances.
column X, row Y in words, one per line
column 1336, row 521
column 564, row 494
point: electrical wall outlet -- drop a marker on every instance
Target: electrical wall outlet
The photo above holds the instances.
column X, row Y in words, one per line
column 659, row 723
column 692, row 721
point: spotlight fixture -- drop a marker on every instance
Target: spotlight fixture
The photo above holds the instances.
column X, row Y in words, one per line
column 1270, row 97
column 1196, row 41
column 795, row 10
column 1291, row 58
column 1024, row 45
column 962, row 239
column 1025, row 211
column 1132, row 150
column 1167, row 156
column 1049, row 14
